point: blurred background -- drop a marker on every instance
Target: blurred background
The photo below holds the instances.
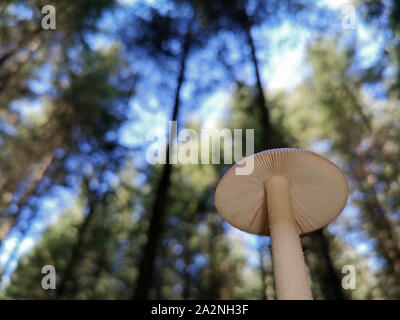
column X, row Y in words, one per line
column 77, row 102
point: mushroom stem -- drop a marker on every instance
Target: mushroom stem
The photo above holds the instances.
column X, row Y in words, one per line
column 291, row 278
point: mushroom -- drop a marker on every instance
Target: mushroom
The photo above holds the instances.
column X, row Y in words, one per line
column 288, row 192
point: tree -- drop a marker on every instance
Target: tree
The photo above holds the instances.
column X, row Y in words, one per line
column 355, row 135
column 161, row 32
column 37, row 159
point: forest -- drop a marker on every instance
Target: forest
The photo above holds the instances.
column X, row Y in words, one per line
column 84, row 98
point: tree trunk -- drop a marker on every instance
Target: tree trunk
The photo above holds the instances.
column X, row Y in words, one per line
column 214, row 281
column 8, row 222
column 384, row 231
column 261, row 99
column 146, row 267
column 269, row 141
column 65, row 286
column 385, row 235
column 330, row 280
column 262, row 252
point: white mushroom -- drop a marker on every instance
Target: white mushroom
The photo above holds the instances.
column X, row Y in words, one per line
column 288, row 193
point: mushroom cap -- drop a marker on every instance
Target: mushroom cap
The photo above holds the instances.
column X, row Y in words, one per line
column 318, row 190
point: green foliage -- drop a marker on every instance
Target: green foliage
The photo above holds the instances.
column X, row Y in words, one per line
column 50, row 250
